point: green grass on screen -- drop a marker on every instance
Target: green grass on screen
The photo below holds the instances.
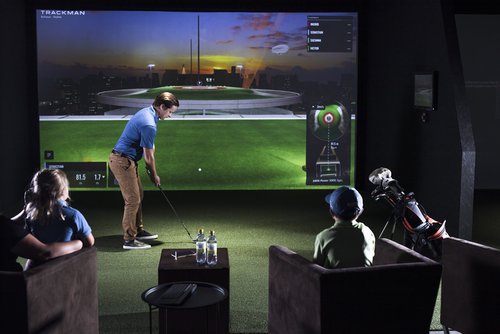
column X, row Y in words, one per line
column 239, row 154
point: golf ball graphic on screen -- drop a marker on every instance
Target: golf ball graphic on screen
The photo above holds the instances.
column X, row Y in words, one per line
column 330, row 123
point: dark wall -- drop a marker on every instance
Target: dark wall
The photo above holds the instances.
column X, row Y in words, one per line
column 18, row 125
column 479, row 37
column 401, row 38
column 396, row 39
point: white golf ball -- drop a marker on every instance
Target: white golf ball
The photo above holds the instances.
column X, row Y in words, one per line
column 199, row 169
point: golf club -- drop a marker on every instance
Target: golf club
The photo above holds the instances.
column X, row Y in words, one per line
column 175, row 212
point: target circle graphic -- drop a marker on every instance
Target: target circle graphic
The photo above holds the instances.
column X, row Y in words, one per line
column 330, row 122
column 328, row 118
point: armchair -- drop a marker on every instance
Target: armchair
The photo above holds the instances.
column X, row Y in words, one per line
column 58, row 296
column 470, row 292
column 395, row 295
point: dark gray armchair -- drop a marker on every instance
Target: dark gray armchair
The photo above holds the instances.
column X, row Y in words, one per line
column 56, row 297
column 470, row 292
column 395, row 295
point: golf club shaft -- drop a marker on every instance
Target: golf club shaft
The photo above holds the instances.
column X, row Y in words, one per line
column 175, row 212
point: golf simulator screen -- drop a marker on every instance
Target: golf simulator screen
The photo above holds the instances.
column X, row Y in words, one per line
column 267, row 100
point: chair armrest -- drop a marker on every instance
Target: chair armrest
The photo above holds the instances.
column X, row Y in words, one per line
column 389, row 252
column 470, row 291
column 294, row 293
column 69, row 285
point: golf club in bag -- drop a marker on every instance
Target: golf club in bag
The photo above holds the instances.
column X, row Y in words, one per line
column 173, row 209
column 422, row 233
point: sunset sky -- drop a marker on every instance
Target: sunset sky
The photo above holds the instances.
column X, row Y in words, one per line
column 132, row 40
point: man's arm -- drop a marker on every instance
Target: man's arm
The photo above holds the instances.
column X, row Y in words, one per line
column 30, row 247
column 149, row 158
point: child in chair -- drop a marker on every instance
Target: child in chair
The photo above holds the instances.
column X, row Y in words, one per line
column 348, row 243
column 48, row 216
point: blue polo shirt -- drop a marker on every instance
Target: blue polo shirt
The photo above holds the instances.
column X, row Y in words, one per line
column 139, row 133
column 74, row 226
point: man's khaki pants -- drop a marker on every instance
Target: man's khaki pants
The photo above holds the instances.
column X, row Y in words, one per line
column 125, row 171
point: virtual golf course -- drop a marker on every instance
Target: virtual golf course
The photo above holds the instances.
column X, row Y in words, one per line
column 190, row 154
column 217, row 93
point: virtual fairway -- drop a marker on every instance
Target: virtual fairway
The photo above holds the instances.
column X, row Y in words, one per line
column 196, row 154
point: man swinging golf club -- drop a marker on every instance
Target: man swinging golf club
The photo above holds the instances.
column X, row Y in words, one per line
column 137, row 141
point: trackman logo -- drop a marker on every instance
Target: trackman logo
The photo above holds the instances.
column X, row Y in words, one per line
column 60, row 13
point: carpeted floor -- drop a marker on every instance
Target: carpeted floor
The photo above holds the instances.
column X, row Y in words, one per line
column 247, row 223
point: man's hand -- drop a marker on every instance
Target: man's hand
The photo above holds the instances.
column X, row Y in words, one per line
column 154, row 178
column 156, row 181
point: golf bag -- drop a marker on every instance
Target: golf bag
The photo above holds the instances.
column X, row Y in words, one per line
column 422, row 233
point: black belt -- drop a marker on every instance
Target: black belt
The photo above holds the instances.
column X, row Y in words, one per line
column 122, row 155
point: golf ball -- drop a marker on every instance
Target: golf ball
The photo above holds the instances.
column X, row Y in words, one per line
column 199, row 169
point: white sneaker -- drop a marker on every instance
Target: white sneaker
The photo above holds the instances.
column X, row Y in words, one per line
column 134, row 244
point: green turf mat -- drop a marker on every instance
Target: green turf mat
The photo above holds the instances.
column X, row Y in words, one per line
column 247, row 223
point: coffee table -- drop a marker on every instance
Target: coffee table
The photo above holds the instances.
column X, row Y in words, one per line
column 199, row 312
column 186, row 269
